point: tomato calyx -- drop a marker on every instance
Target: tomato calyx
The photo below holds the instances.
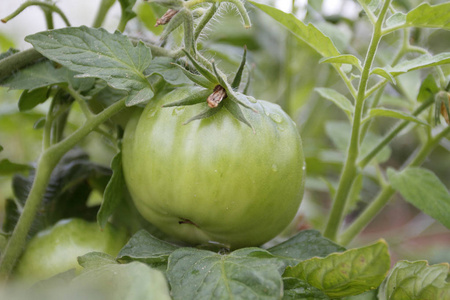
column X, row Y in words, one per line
column 218, row 93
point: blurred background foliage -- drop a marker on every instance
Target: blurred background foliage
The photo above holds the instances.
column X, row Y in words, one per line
column 285, row 71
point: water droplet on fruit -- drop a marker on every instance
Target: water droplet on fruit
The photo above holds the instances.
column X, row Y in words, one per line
column 276, row 118
column 251, row 99
column 274, row 168
column 177, row 111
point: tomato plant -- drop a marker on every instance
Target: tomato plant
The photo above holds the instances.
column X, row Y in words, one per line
column 214, row 180
column 167, row 99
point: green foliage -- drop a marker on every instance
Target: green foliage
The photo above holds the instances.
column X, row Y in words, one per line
column 423, row 189
column 344, row 274
column 425, row 15
column 97, row 53
column 303, row 246
column 340, row 100
column 415, row 280
column 307, row 33
column 114, row 191
column 384, row 112
column 8, row 168
column 146, row 248
column 242, row 274
column 103, row 72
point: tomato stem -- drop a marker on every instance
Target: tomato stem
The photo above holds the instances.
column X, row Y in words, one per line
column 44, row 5
column 349, row 169
column 47, row 162
column 387, row 192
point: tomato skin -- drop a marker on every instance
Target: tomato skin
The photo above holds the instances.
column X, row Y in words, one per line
column 214, row 180
column 55, row 250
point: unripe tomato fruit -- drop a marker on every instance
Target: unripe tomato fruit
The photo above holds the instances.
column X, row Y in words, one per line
column 214, row 180
column 55, row 250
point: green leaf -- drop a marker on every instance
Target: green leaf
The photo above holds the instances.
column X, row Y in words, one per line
column 343, row 59
column 198, row 79
column 248, row 273
column 337, row 98
column 383, row 73
column 96, row 53
column 423, row 61
column 372, row 5
column 36, row 76
column 428, row 88
column 133, row 281
column 416, row 280
column 1, row 148
column 208, row 112
column 296, row 289
column 8, row 168
column 304, row 245
column 423, row 189
column 94, row 260
column 424, row 15
column 9, row 52
column 345, row 274
column 29, row 99
column 67, row 193
column 165, row 67
column 238, row 76
column 396, row 19
column 197, row 96
column 201, row 69
column 384, row 112
column 148, row 13
column 307, row 33
column 40, row 123
column 114, row 192
column 236, row 111
column 146, row 248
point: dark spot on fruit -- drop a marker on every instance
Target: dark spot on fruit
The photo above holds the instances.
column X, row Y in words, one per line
column 186, row 221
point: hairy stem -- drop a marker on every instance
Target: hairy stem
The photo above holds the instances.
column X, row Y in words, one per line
column 240, row 7
column 81, row 102
column 349, row 169
column 16, row 243
column 49, row 6
column 205, row 19
column 17, row 61
column 46, row 164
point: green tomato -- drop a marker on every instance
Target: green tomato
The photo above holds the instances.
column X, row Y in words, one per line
column 56, row 249
column 214, row 180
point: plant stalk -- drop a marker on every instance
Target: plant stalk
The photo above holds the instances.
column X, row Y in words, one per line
column 49, row 6
column 47, row 162
column 387, row 192
column 349, row 170
column 392, row 134
column 103, row 9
